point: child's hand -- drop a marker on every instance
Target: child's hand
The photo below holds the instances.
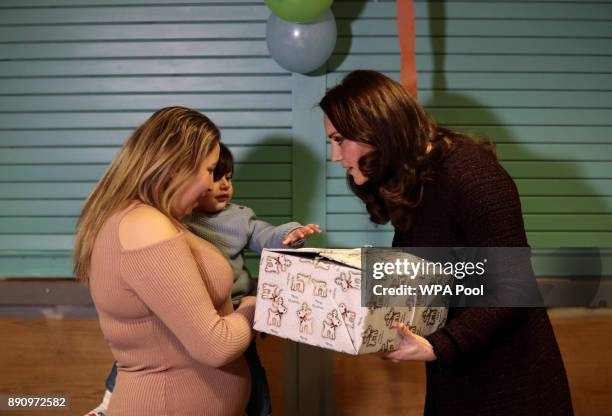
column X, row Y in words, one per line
column 301, row 233
column 247, row 300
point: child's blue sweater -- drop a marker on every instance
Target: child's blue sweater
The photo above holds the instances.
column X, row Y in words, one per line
column 232, row 230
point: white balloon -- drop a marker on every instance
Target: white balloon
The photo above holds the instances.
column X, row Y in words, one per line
column 301, row 47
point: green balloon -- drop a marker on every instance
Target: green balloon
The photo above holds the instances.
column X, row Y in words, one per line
column 300, row 11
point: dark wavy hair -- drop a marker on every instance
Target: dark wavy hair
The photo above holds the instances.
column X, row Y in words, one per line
column 371, row 108
column 225, row 165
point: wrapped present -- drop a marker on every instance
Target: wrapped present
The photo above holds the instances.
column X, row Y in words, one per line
column 313, row 296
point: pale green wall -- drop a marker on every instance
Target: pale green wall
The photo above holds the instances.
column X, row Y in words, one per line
column 77, row 76
column 535, row 77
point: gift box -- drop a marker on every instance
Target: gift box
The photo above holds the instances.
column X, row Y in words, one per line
column 313, row 296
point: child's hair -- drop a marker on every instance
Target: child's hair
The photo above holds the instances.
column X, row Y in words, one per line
column 226, row 163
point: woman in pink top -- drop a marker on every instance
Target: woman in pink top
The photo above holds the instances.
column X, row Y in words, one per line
column 161, row 293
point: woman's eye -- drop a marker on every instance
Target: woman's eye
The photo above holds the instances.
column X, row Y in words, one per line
column 338, row 139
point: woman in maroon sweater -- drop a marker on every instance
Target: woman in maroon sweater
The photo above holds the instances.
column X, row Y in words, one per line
column 443, row 188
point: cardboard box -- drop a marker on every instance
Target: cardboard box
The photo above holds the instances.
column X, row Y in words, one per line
column 313, row 296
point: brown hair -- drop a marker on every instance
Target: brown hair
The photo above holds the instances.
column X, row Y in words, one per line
column 371, row 108
column 161, row 155
column 225, row 165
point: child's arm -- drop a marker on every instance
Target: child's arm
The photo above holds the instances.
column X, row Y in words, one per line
column 265, row 235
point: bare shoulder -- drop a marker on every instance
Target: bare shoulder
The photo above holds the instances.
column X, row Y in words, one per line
column 145, row 226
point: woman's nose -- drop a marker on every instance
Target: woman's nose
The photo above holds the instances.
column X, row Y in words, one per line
column 336, row 152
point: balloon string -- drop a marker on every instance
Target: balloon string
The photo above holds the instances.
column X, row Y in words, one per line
column 406, row 35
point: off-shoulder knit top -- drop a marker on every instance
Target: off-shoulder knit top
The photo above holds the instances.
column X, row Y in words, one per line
column 166, row 313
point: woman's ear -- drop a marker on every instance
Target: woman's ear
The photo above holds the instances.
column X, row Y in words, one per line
column 174, row 173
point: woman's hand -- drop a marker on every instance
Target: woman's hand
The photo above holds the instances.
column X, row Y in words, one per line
column 412, row 347
column 301, row 233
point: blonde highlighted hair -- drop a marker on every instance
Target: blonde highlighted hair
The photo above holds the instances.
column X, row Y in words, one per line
column 161, row 155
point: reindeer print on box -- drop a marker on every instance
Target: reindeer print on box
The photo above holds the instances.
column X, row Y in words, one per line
column 388, row 345
column 331, row 324
column 304, row 315
column 269, row 291
column 317, row 263
column 298, row 282
column 392, row 318
column 277, row 264
column 347, row 316
column 319, row 288
column 370, row 337
column 431, row 316
column 349, row 280
column 276, row 312
column 313, row 296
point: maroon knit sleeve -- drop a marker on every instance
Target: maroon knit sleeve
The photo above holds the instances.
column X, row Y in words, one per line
column 488, row 215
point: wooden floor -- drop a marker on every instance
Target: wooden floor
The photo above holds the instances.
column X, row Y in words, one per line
column 63, row 357
column 585, row 343
column 69, row 357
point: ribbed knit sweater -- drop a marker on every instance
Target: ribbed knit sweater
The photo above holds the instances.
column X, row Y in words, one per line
column 491, row 361
column 165, row 311
column 234, row 229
